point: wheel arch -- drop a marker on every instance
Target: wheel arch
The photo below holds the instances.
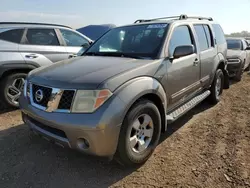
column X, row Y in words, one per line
column 222, row 65
column 7, row 69
column 144, row 88
column 157, row 101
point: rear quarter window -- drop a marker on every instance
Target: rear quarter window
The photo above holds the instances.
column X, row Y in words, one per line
column 11, row 35
column 219, row 34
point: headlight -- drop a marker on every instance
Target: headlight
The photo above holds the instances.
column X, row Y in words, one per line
column 89, row 100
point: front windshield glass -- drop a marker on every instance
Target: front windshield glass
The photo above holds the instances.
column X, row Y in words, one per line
column 138, row 40
column 234, row 44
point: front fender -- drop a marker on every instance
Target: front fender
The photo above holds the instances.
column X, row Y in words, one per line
column 134, row 89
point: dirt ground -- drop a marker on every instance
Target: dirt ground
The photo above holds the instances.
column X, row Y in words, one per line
column 208, row 147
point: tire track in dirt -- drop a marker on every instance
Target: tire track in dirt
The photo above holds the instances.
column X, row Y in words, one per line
column 235, row 137
column 224, row 124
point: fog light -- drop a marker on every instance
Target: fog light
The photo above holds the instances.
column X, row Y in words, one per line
column 83, row 143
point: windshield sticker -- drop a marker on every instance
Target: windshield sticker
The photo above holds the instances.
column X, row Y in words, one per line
column 154, row 26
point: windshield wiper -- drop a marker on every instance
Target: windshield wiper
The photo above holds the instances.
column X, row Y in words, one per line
column 116, row 54
column 92, row 53
column 134, row 56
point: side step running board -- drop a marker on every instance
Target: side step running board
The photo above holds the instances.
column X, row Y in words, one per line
column 186, row 107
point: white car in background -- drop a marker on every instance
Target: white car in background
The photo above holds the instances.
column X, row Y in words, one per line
column 238, row 56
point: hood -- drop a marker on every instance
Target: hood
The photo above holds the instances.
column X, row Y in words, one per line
column 234, row 53
column 88, row 72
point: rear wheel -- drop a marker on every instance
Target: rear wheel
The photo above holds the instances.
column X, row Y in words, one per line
column 139, row 135
column 11, row 88
column 217, row 87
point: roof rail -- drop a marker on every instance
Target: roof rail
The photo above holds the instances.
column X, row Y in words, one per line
column 181, row 17
column 201, row 18
column 31, row 23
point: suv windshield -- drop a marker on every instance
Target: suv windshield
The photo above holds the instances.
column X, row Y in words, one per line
column 234, row 44
column 138, row 41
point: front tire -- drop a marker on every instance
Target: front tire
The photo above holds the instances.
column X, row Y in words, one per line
column 217, row 87
column 240, row 72
column 11, row 88
column 140, row 134
column 248, row 67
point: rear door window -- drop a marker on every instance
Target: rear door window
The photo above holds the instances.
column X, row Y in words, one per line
column 202, row 38
column 209, row 36
column 42, row 37
column 181, row 36
column 11, row 35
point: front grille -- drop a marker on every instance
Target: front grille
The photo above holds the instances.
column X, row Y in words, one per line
column 28, row 91
column 64, row 104
column 46, row 94
column 28, row 88
column 66, row 100
column 52, row 130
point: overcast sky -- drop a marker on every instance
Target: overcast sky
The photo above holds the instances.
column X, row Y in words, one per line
column 231, row 14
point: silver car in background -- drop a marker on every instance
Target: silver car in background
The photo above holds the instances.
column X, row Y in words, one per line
column 26, row 46
column 238, row 56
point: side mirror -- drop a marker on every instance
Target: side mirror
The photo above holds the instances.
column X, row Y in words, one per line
column 248, row 48
column 181, row 51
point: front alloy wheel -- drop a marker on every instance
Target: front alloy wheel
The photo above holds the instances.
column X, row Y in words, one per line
column 140, row 133
column 12, row 88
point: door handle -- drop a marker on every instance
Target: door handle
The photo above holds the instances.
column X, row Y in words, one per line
column 72, row 55
column 31, row 56
column 196, row 62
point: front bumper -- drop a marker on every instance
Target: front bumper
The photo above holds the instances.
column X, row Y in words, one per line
column 100, row 129
column 234, row 66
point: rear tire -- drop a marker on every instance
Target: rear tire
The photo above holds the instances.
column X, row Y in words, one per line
column 11, row 88
column 217, row 87
column 142, row 122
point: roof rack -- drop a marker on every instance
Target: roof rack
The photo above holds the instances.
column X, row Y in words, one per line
column 181, row 17
column 31, row 23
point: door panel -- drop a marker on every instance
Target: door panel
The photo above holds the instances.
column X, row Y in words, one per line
column 207, row 58
column 53, row 53
column 183, row 78
column 207, row 51
column 183, row 73
column 73, row 49
column 42, row 41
